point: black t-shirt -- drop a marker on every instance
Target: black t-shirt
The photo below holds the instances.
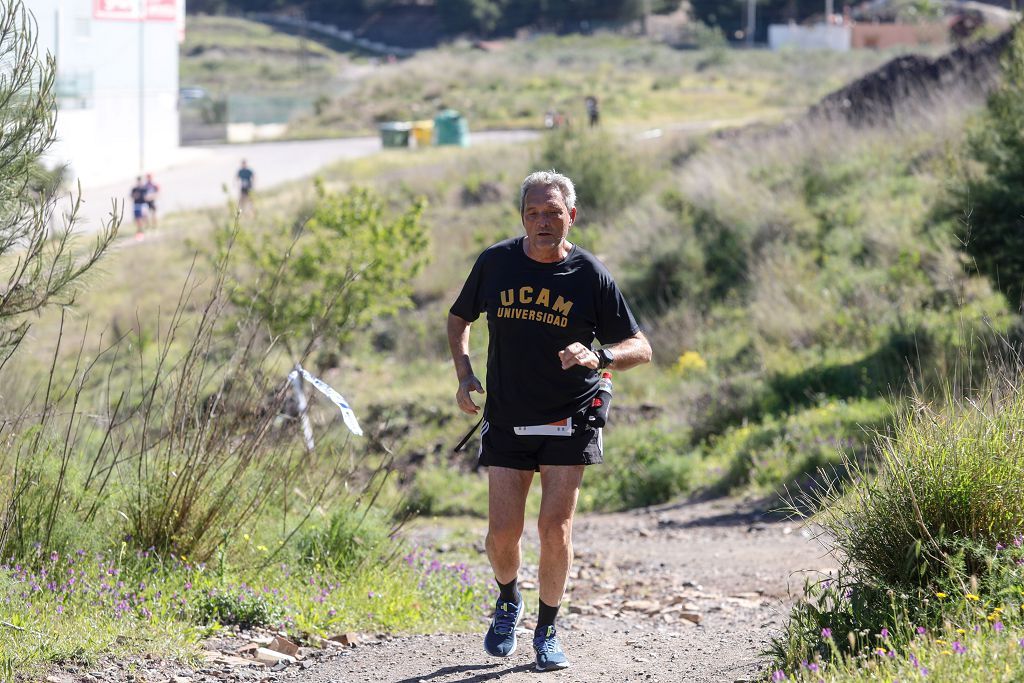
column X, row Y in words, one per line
column 534, row 310
column 139, row 194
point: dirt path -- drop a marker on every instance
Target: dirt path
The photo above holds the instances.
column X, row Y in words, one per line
column 637, row 577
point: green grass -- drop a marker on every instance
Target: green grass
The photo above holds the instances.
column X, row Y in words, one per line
column 227, row 55
column 931, row 545
column 953, row 657
column 76, row 607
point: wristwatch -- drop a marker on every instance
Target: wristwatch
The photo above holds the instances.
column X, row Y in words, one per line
column 605, row 357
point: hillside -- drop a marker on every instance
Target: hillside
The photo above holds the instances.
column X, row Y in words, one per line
column 638, row 83
column 815, row 320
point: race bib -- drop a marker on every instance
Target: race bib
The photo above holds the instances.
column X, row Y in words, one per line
column 560, row 428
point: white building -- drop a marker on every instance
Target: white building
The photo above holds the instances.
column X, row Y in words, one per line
column 117, row 83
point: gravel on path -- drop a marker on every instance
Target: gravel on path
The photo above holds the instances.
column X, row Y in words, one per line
column 640, row 582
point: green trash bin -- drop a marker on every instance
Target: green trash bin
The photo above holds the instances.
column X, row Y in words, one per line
column 395, row 134
column 450, row 128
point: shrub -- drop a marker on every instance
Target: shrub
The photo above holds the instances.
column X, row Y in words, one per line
column 353, row 535
column 329, row 277
column 41, row 266
column 608, row 177
column 437, row 490
column 946, row 476
column 992, row 232
column 643, row 466
column 240, row 607
column 932, row 540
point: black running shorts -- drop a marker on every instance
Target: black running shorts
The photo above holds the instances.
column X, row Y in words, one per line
column 502, row 447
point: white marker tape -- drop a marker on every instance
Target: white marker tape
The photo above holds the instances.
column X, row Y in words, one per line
column 337, row 399
column 302, row 407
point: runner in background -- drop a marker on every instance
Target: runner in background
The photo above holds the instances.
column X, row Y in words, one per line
column 138, row 194
column 152, row 194
column 245, row 181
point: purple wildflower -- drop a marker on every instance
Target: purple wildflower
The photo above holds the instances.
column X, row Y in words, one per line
column 921, row 630
column 779, row 675
column 826, row 633
column 997, row 627
column 884, row 634
column 958, row 647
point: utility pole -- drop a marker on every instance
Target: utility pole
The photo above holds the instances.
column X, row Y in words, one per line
column 142, row 89
column 751, row 21
column 829, row 11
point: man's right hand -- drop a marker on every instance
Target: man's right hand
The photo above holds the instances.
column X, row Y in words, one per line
column 469, row 384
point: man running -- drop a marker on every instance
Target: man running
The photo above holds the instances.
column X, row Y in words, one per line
column 138, row 194
column 245, row 180
column 546, row 300
column 152, row 194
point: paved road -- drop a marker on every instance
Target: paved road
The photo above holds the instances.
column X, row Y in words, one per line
column 198, row 179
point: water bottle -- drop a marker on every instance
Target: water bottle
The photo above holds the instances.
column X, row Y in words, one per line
column 597, row 415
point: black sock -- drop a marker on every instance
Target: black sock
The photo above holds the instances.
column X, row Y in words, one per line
column 509, row 592
column 547, row 614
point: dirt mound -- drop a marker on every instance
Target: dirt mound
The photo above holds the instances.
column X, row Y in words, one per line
column 967, row 71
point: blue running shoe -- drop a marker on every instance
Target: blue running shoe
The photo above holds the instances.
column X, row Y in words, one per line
column 549, row 652
column 500, row 640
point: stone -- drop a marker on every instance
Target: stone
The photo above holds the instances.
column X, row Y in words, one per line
column 272, row 657
column 284, row 646
column 641, row 605
column 691, row 616
column 349, row 639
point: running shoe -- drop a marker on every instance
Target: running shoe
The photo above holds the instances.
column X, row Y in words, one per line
column 549, row 652
column 500, row 640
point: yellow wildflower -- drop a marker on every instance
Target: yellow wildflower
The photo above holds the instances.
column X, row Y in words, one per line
column 971, row 596
column 940, row 595
column 690, row 362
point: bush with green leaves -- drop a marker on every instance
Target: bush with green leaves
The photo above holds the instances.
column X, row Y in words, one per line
column 240, row 607
column 643, row 466
column 608, row 176
column 353, row 535
column 40, row 265
column 946, row 475
column 930, row 534
column 988, row 205
column 792, row 448
column 328, row 277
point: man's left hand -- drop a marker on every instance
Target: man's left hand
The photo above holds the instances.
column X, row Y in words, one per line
column 578, row 354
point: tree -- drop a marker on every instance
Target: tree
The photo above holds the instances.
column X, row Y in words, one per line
column 731, row 15
column 37, row 268
column 345, row 265
column 989, row 204
column 474, row 16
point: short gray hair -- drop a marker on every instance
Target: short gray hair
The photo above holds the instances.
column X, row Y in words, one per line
column 548, row 179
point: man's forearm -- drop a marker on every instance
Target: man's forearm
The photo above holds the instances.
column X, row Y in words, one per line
column 629, row 353
column 458, row 344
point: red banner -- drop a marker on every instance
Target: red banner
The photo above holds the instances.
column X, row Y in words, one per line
column 135, row 10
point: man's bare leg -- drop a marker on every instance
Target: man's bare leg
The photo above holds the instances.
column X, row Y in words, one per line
column 507, row 491
column 560, row 488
